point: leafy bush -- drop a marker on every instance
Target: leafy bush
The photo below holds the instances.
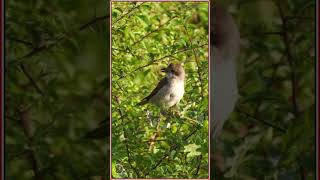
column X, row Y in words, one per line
column 146, row 37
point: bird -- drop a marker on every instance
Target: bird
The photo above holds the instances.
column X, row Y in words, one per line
column 225, row 47
column 170, row 89
column 167, row 93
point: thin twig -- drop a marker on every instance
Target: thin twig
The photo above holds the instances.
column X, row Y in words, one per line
column 126, row 140
column 93, row 21
column 196, row 60
column 273, row 77
column 290, row 59
column 34, row 84
column 27, row 129
column 302, row 172
column 156, row 60
column 294, row 82
column 153, row 31
column 60, row 37
column 199, row 164
column 129, row 11
column 27, row 43
column 172, row 147
column 261, row 120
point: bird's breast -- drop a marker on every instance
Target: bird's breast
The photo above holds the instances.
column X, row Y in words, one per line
column 170, row 94
column 177, row 90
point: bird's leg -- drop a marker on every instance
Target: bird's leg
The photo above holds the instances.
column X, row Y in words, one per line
column 149, row 117
column 158, row 122
column 155, row 135
column 168, row 114
column 164, row 112
column 175, row 112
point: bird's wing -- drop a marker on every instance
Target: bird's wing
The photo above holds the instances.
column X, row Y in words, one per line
column 155, row 91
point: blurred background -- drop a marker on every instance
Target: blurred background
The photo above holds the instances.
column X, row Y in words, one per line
column 271, row 133
column 56, row 84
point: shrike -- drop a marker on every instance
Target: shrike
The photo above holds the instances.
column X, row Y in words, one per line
column 170, row 89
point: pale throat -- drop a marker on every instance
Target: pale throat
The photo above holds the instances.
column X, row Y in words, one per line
column 173, row 77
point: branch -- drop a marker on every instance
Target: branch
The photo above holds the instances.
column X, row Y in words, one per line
column 260, row 120
column 156, row 60
column 199, row 164
column 28, row 132
column 126, row 144
column 273, row 77
column 42, row 75
column 148, row 34
column 286, row 41
column 302, row 172
column 256, row 112
column 172, row 147
column 60, row 37
column 196, row 60
column 131, row 10
column 93, row 21
column 27, row 43
column 34, row 84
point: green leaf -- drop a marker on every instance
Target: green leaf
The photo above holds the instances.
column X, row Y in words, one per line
column 191, row 149
column 144, row 19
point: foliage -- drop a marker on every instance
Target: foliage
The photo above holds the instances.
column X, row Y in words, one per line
column 271, row 134
column 148, row 36
column 55, row 89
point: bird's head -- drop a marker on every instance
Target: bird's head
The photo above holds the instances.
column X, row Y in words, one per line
column 224, row 32
column 174, row 70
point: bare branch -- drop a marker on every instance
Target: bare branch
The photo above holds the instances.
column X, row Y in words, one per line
column 261, row 120
column 34, row 84
column 286, row 41
column 129, row 11
column 157, row 60
column 153, row 31
column 126, row 142
column 196, row 60
column 60, row 37
column 27, row 129
column 27, row 43
column 172, row 148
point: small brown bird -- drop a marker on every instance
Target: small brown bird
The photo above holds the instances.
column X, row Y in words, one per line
column 170, row 89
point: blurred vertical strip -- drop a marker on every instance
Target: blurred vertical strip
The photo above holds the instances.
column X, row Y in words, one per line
column 2, row 90
column 317, row 87
column 109, row 175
